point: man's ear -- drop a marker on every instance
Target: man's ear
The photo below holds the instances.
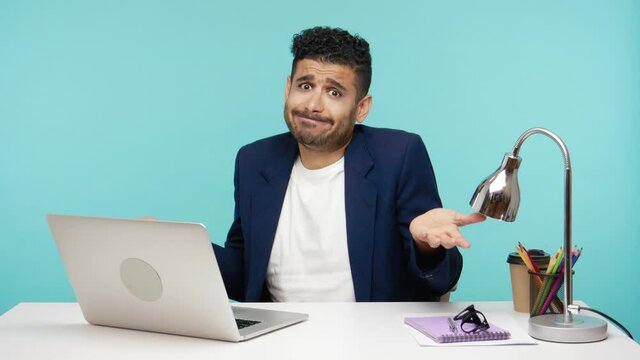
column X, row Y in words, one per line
column 363, row 107
column 287, row 88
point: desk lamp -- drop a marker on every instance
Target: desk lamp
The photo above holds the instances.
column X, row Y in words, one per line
column 498, row 197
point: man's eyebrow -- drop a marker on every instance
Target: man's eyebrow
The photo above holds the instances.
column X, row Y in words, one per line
column 336, row 84
column 304, row 78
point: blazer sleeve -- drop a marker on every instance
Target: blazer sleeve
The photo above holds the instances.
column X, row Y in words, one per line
column 231, row 257
column 436, row 273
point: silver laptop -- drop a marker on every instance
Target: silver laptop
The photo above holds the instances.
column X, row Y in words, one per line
column 154, row 276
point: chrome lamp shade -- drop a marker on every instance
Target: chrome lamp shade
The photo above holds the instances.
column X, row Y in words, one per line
column 498, row 197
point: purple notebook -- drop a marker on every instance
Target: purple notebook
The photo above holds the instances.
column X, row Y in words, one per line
column 437, row 328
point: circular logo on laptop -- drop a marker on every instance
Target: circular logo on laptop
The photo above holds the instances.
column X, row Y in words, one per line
column 141, row 279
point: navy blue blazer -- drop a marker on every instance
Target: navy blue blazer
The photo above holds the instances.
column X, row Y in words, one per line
column 388, row 182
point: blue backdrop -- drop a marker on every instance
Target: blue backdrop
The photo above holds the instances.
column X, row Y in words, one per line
column 134, row 108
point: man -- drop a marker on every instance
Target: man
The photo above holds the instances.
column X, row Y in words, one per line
column 334, row 211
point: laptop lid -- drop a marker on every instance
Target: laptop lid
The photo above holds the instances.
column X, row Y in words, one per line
column 154, row 276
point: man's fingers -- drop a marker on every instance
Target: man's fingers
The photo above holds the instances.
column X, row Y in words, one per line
column 440, row 227
column 434, row 241
column 447, row 239
column 466, row 219
column 453, row 232
column 462, row 242
column 453, row 241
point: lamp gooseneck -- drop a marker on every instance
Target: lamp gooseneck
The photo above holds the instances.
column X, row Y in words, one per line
column 568, row 284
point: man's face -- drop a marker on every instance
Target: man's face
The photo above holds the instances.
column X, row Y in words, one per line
column 321, row 105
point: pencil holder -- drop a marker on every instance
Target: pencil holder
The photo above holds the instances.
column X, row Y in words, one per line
column 546, row 293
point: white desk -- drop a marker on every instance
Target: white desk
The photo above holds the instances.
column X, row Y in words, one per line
column 333, row 331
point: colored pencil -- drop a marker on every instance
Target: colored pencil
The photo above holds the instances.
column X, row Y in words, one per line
column 547, row 285
column 558, row 282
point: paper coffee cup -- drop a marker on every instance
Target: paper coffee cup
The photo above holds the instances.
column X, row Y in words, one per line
column 520, row 277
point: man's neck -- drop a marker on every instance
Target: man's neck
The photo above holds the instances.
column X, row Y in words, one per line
column 314, row 160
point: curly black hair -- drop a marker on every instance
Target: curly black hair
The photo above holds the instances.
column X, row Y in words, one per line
column 334, row 46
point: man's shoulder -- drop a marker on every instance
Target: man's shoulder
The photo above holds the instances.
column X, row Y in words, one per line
column 388, row 148
column 384, row 138
column 274, row 149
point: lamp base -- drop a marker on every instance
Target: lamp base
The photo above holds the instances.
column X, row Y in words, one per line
column 582, row 329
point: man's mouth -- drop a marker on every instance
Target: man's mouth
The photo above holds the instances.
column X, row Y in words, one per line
column 311, row 118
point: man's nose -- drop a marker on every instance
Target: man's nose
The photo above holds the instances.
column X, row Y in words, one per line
column 315, row 101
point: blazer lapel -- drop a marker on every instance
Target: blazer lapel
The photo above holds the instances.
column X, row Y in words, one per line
column 360, row 208
column 266, row 204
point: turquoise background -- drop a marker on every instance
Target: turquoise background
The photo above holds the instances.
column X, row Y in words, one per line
column 134, row 108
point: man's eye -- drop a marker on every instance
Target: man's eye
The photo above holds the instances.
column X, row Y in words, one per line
column 305, row 86
column 335, row 93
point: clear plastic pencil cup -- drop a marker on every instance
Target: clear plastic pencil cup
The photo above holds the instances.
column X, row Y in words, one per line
column 546, row 293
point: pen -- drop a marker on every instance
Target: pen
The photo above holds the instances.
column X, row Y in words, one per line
column 452, row 325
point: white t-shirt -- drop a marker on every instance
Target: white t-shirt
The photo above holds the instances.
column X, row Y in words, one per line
column 310, row 259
